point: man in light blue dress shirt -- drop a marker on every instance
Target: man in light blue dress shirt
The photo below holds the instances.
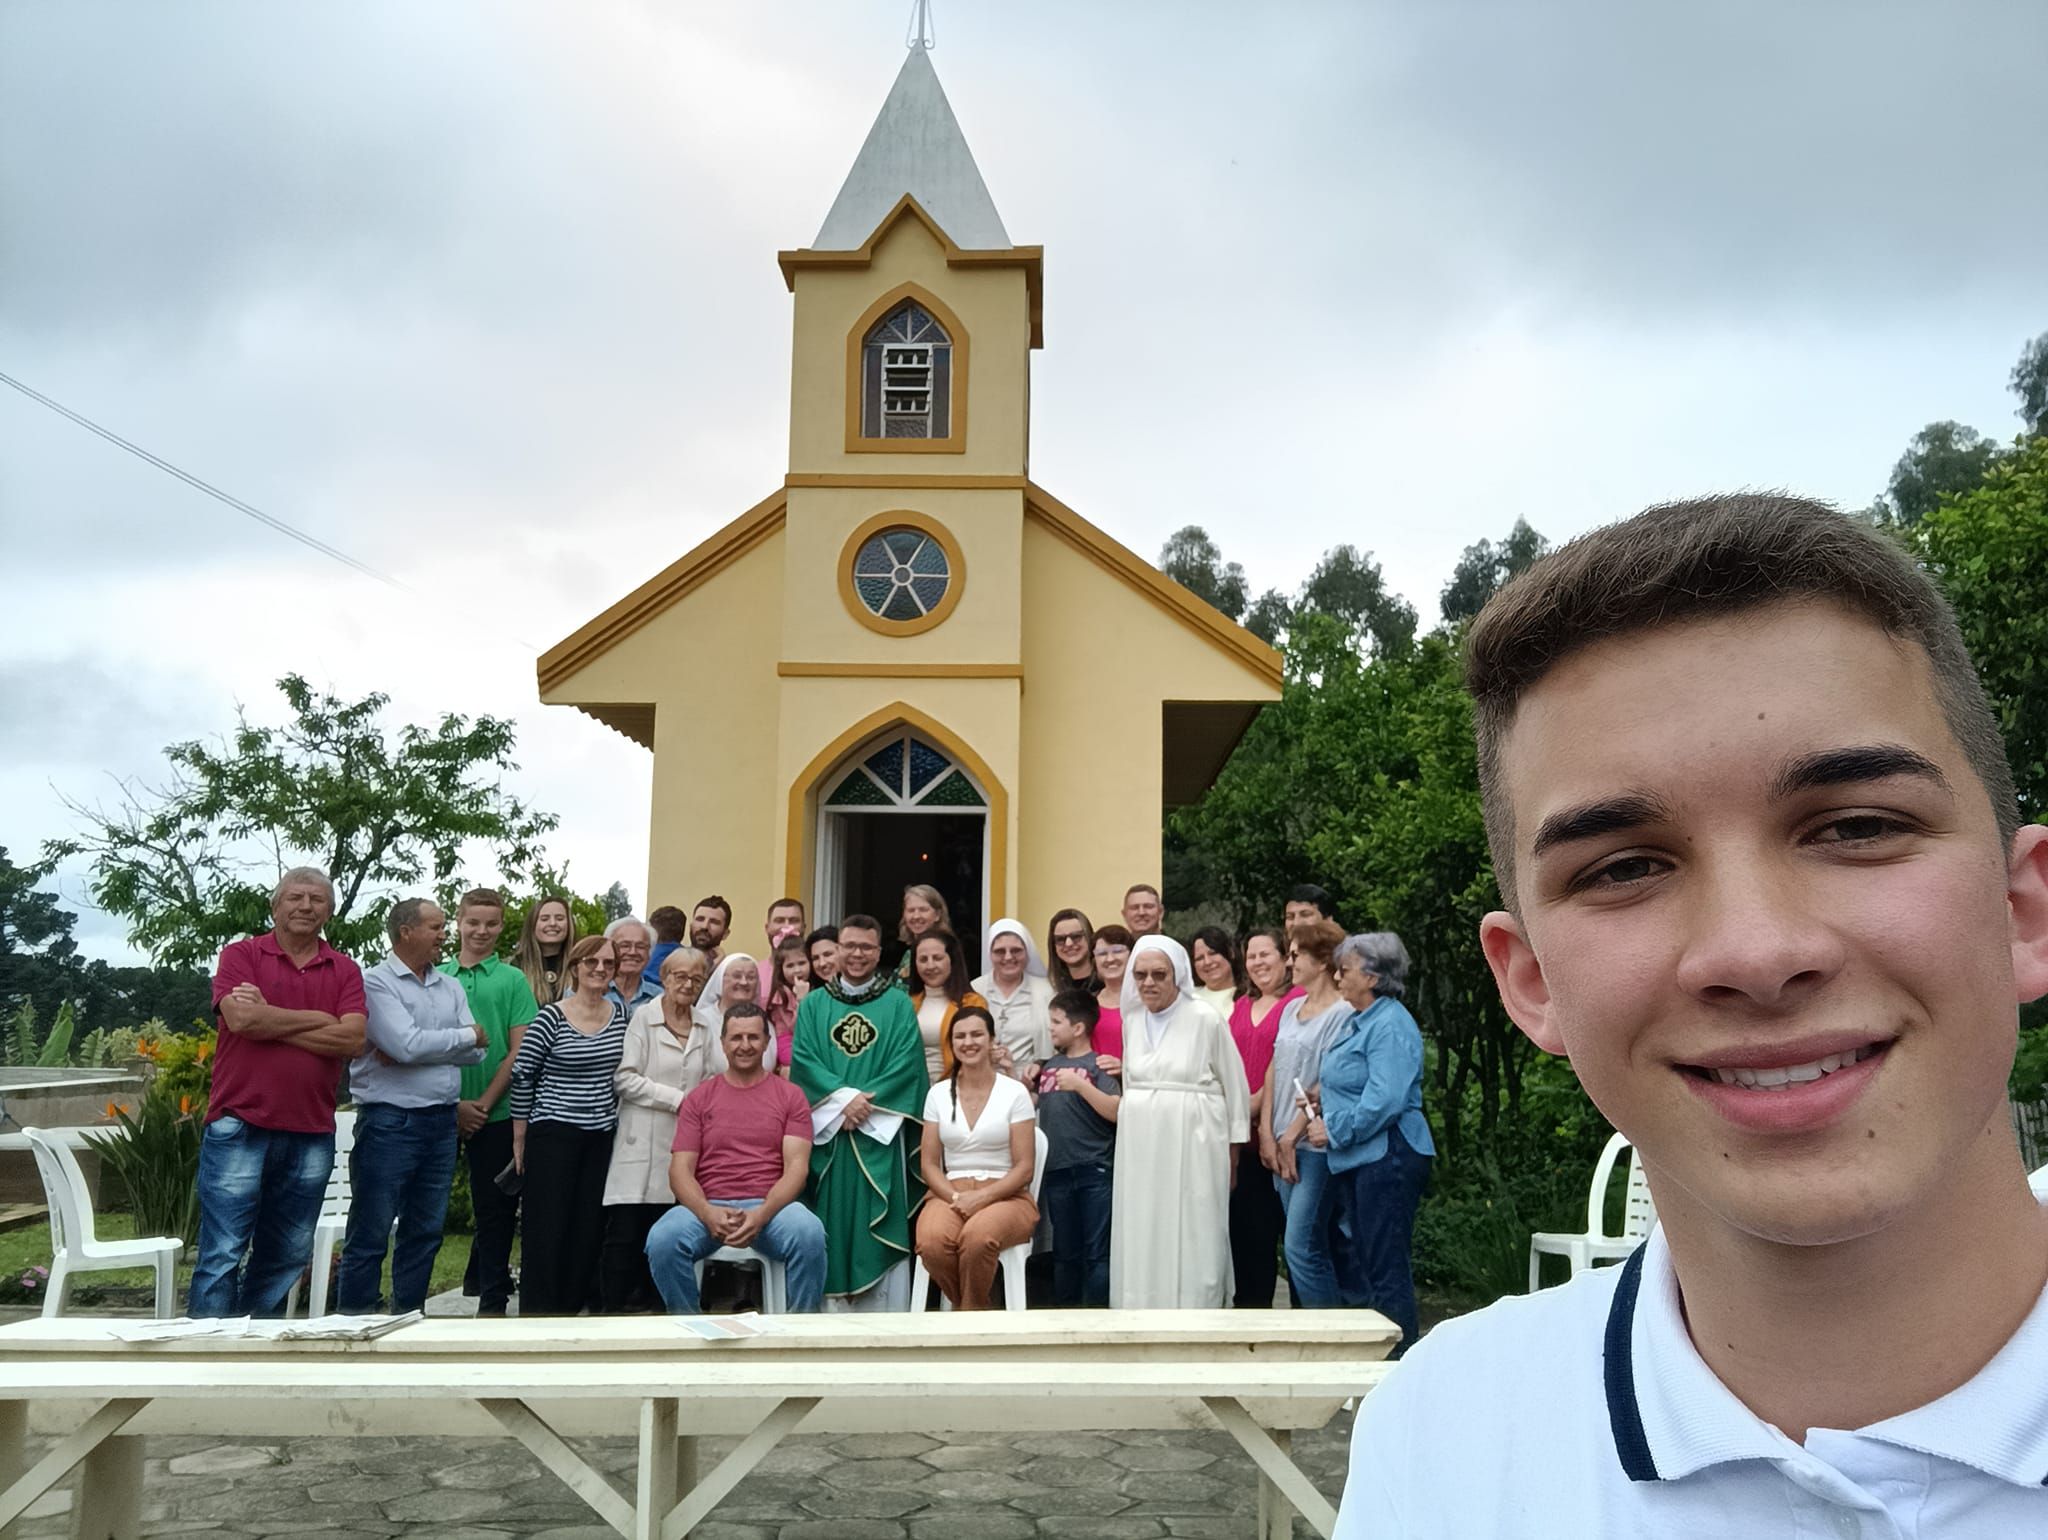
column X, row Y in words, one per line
column 632, row 943
column 405, row 1085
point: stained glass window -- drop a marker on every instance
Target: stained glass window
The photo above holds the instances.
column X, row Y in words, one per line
column 907, row 376
column 901, row 574
column 905, row 771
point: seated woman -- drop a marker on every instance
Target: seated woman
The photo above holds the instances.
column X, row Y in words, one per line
column 978, row 1155
column 1372, row 1126
column 938, row 989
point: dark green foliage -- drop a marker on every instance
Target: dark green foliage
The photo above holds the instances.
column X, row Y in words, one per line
column 190, row 864
column 1485, row 567
column 1944, row 460
column 1192, row 560
column 2030, row 383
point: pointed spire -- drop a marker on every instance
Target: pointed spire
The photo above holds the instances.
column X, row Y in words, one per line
column 915, row 147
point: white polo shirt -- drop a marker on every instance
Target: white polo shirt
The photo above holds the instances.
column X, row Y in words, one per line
column 1586, row 1411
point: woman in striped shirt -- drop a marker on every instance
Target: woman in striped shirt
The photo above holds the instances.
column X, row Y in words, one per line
column 565, row 1106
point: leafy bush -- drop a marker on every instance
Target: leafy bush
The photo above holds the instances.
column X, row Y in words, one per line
column 155, row 1153
column 184, row 1066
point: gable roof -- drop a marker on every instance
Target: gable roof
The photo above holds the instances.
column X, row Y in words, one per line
column 605, row 631
column 915, row 147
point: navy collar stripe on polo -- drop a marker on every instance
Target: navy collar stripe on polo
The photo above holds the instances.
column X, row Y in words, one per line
column 1624, row 1414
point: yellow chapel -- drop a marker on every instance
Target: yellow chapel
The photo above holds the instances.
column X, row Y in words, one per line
column 903, row 627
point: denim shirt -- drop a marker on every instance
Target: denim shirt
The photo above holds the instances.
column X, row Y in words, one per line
column 425, row 1026
column 1372, row 1081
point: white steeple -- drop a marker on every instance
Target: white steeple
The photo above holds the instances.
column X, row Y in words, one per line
column 915, row 147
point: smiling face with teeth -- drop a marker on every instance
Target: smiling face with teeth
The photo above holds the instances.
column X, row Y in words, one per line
column 1766, row 910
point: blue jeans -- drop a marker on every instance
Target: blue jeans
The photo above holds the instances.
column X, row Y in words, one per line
column 794, row 1237
column 259, row 1198
column 1380, row 1198
column 1076, row 1200
column 400, row 1169
column 1309, row 1241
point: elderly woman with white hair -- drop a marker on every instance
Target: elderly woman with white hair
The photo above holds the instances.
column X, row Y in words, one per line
column 1186, row 1102
column 1371, row 1124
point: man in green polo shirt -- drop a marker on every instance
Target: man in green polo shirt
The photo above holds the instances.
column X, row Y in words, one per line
column 502, row 1002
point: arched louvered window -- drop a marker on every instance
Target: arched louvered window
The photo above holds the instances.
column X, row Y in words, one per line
column 907, row 376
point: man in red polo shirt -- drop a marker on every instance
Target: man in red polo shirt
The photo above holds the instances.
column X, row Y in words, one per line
column 291, row 1012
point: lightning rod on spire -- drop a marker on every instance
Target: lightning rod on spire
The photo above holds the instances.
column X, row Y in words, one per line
column 920, row 33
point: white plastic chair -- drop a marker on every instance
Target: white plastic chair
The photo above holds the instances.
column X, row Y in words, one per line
column 774, row 1290
column 1639, row 1215
column 74, row 1246
column 1010, row 1265
column 333, row 1222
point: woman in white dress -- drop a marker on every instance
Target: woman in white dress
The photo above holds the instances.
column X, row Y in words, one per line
column 737, row 977
column 1186, row 1102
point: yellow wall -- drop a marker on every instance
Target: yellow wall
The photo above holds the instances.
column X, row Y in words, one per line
column 1088, row 824
column 708, row 665
column 985, row 628
column 993, row 307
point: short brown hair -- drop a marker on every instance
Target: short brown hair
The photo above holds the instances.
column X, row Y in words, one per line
column 670, row 924
column 579, row 954
column 1695, row 560
column 480, row 898
column 1318, row 938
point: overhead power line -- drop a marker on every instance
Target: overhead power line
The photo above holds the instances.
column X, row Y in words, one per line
column 211, row 490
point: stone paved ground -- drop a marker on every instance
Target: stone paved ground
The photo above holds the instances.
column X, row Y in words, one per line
column 878, row 1486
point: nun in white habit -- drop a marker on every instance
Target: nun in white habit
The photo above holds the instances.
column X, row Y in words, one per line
column 737, row 977
column 1185, row 1103
column 1018, row 995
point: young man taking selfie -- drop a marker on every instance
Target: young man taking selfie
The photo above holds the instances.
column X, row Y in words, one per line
column 1767, row 888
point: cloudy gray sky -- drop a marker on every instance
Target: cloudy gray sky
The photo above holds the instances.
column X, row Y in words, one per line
column 486, row 295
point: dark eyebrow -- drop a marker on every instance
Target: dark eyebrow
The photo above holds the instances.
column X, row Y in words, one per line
column 1611, row 815
column 1865, row 762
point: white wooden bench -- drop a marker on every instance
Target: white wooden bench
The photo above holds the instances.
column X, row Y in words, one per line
column 1258, row 1375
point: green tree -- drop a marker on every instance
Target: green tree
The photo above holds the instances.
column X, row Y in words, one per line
column 1269, row 617
column 190, row 865
column 2030, row 383
column 1945, row 459
column 1989, row 551
column 1485, row 567
column 38, row 958
column 616, row 902
column 1348, row 586
column 1194, row 561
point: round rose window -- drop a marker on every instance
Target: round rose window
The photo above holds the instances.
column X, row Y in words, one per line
column 902, row 575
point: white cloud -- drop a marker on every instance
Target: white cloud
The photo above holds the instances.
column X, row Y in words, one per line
column 486, row 295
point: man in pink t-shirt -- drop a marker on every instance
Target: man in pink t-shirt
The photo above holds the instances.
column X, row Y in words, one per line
column 291, row 1012
column 741, row 1155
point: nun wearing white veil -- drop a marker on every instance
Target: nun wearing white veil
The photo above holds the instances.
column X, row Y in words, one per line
column 1185, row 1103
column 1018, row 995
column 737, row 977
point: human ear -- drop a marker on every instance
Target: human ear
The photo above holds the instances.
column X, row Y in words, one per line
column 2026, row 902
column 1519, row 977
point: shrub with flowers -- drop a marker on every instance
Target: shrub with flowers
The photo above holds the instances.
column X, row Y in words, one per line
column 26, row 1287
column 154, row 1148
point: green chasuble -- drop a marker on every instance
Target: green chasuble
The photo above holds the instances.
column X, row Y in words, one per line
column 861, row 1190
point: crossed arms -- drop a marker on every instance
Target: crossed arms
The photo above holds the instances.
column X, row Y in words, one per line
column 244, row 1012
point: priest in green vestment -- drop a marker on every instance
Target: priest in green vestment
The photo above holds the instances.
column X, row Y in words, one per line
column 859, row 1061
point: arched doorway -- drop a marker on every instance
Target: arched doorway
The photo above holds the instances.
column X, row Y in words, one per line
column 900, row 810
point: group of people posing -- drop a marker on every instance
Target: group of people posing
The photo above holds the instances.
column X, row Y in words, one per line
column 1168, row 1121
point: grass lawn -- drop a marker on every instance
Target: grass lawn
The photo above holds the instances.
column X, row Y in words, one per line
column 29, row 1247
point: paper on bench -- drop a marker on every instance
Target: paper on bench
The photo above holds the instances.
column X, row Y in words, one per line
column 720, row 1328
column 325, row 1328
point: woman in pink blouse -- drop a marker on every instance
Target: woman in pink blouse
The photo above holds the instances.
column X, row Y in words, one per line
column 1256, row 1216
